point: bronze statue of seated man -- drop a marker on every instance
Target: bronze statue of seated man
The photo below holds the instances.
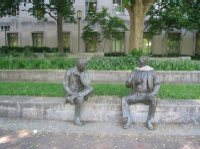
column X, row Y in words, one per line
column 145, row 85
column 77, row 87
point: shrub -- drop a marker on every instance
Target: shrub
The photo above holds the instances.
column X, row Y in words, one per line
column 140, row 52
column 113, row 63
column 26, row 50
column 105, row 63
column 115, row 54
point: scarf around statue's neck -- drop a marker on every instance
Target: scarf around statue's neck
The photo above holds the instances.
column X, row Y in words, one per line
column 144, row 68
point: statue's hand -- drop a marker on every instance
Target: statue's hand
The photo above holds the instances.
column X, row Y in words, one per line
column 80, row 98
column 150, row 96
column 77, row 74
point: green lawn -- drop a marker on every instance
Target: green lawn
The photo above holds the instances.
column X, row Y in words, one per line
column 167, row 91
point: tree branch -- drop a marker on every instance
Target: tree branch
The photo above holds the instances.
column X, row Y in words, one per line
column 129, row 9
column 49, row 13
column 147, row 5
column 164, row 6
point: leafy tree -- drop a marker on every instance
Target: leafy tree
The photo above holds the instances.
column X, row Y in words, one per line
column 174, row 15
column 59, row 10
column 138, row 10
column 110, row 26
column 167, row 16
column 8, row 7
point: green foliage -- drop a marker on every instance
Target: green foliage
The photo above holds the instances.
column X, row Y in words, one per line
column 31, row 89
column 174, row 15
column 36, row 63
column 25, row 51
column 113, row 63
column 40, row 8
column 175, row 64
column 9, row 7
column 140, row 52
column 59, row 10
column 110, row 27
column 89, row 36
column 128, row 62
column 117, row 54
column 63, row 7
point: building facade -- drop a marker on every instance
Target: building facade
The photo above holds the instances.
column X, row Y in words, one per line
column 26, row 30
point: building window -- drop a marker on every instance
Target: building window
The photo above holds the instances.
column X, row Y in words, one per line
column 118, row 42
column 198, row 43
column 117, row 7
column 12, row 39
column 92, row 42
column 90, row 5
column 173, row 43
column 28, row 1
column 37, row 39
column 73, row 1
column 66, row 40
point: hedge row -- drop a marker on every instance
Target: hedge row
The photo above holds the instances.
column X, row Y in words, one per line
column 36, row 63
column 27, row 50
column 105, row 63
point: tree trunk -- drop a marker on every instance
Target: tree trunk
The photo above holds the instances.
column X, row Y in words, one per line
column 60, row 33
column 136, row 26
column 137, row 12
column 104, row 45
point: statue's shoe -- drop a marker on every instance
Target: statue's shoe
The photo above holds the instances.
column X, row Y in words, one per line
column 127, row 125
column 149, row 125
column 78, row 123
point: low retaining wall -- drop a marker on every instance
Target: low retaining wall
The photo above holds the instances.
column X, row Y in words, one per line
column 103, row 108
column 96, row 76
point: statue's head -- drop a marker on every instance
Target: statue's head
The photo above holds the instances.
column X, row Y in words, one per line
column 143, row 61
column 81, row 65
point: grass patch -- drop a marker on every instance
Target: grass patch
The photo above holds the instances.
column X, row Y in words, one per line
column 167, row 91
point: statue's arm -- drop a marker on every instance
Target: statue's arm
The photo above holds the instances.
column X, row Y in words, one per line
column 66, row 83
column 85, row 79
column 130, row 83
column 156, row 83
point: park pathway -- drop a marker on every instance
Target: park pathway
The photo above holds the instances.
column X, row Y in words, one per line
column 43, row 134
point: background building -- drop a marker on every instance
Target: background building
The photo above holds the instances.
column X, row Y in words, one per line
column 27, row 30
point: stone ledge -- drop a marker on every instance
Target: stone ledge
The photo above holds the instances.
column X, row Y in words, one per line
column 96, row 76
column 101, row 109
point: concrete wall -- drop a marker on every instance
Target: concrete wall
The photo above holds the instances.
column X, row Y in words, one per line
column 102, row 109
column 187, row 43
column 96, row 76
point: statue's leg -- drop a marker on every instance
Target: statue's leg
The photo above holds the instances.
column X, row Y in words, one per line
column 151, row 113
column 78, row 109
column 79, row 103
column 86, row 93
column 64, row 89
column 126, row 101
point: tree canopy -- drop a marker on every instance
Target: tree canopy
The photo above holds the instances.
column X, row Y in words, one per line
column 59, row 10
column 174, row 15
column 41, row 9
column 110, row 26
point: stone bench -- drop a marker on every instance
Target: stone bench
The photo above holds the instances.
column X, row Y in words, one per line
column 97, row 108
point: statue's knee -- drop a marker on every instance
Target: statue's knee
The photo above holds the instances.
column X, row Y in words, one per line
column 124, row 100
column 153, row 101
column 79, row 100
